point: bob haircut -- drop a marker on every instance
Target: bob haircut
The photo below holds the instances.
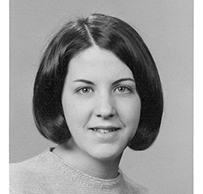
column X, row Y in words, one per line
column 108, row 33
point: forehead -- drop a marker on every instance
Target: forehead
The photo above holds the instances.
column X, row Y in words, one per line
column 95, row 62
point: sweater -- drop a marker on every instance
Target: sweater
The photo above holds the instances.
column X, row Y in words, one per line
column 49, row 174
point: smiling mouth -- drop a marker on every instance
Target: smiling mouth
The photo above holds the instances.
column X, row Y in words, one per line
column 104, row 130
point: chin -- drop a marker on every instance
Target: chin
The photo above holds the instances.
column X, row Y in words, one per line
column 107, row 154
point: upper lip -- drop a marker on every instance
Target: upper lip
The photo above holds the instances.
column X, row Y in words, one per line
column 105, row 127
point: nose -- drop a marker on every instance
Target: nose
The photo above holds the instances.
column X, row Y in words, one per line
column 105, row 107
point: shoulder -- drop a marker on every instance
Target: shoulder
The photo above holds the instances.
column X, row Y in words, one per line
column 28, row 166
column 135, row 187
column 26, row 174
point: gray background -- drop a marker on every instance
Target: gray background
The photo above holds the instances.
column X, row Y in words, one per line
column 167, row 29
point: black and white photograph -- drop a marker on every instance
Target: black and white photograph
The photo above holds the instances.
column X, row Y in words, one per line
column 101, row 97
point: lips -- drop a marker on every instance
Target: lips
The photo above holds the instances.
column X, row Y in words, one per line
column 104, row 129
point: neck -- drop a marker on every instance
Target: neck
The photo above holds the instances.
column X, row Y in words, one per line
column 103, row 169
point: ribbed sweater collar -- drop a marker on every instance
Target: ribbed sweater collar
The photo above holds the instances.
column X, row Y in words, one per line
column 74, row 174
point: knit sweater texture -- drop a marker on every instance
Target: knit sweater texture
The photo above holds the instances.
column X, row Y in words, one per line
column 49, row 174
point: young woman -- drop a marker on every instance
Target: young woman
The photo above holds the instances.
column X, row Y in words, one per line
column 96, row 92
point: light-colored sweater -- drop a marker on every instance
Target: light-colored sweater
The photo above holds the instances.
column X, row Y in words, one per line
column 48, row 174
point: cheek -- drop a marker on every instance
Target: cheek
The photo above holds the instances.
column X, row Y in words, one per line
column 76, row 115
column 130, row 113
column 69, row 110
column 72, row 116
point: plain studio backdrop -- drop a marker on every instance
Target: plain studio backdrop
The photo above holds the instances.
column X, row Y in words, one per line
column 167, row 29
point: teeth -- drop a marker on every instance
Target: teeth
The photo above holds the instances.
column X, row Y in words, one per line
column 103, row 130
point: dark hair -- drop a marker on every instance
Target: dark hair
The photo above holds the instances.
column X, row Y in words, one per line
column 116, row 36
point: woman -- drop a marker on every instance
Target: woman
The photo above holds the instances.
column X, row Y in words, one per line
column 96, row 92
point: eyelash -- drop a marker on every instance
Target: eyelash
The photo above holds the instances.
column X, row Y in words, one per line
column 126, row 89
column 87, row 90
column 81, row 90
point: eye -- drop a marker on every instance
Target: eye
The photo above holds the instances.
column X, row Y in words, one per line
column 84, row 90
column 123, row 89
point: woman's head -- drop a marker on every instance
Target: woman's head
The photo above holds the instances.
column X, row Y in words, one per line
column 100, row 104
column 123, row 41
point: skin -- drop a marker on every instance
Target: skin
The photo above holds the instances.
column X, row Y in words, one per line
column 99, row 92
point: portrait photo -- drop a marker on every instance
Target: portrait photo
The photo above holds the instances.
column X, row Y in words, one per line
column 101, row 97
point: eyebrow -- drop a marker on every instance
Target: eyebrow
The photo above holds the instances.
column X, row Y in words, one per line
column 122, row 80
column 114, row 83
column 84, row 81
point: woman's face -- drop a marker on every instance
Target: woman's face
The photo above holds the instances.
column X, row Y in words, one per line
column 100, row 103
